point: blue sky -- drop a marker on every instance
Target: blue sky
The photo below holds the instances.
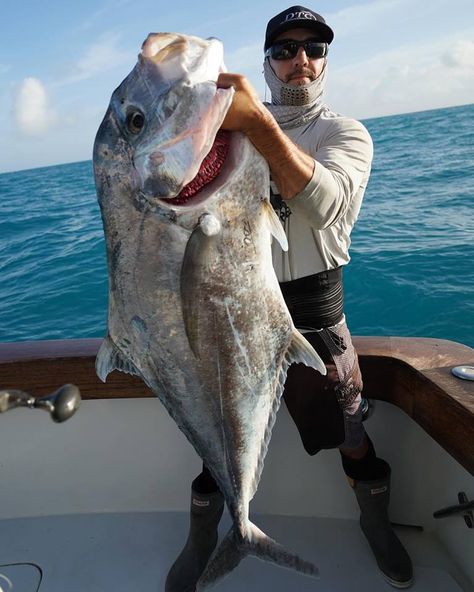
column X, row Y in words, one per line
column 60, row 61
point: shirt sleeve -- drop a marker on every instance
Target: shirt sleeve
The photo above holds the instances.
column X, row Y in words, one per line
column 342, row 162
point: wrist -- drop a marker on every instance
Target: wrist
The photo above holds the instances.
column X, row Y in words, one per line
column 260, row 123
column 291, row 168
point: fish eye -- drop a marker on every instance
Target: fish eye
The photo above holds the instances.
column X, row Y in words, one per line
column 135, row 122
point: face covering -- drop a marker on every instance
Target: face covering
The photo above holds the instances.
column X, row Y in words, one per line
column 291, row 105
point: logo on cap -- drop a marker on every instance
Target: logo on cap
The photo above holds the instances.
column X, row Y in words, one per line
column 291, row 16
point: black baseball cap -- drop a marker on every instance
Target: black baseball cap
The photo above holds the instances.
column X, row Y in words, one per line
column 297, row 17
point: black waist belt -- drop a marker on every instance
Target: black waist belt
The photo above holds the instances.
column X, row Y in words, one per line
column 315, row 301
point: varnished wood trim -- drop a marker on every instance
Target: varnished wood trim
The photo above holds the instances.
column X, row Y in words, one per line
column 412, row 373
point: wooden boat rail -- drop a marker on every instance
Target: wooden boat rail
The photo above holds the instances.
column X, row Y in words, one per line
column 412, row 373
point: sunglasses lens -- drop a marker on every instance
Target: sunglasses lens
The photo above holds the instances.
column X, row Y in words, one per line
column 284, row 51
column 287, row 50
column 315, row 50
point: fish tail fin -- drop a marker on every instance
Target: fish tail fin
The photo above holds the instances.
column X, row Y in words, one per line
column 234, row 548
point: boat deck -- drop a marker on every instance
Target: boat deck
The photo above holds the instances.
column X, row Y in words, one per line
column 119, row 552
column 99, row 503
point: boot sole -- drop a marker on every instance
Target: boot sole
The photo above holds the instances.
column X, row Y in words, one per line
column 396, row 583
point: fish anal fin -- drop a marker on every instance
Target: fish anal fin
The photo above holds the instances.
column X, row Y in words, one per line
column 301, row 351
column 110, row 358
column 298, row 351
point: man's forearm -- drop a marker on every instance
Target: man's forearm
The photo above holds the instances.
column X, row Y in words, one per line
column 291, row 168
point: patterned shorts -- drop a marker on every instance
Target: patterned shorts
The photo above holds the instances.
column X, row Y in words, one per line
column 327, row 409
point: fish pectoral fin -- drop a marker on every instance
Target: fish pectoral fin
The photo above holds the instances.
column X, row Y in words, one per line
column 275, row 225
column 110, row 358
column 197, row 263
column 233, row 549
column 301, row 351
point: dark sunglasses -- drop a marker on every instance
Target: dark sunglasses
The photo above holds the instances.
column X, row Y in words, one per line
column 286, row 49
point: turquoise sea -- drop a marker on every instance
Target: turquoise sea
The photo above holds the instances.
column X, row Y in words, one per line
column 412, row 269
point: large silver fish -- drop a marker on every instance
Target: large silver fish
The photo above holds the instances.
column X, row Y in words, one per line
column 195, row 308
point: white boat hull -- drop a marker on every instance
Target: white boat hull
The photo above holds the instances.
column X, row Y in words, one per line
column 100, row 503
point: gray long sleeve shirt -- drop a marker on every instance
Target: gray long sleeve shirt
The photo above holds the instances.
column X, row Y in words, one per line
column 324, row 213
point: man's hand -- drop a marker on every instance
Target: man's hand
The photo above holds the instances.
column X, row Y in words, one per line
column 246, row 113
column 291, row 167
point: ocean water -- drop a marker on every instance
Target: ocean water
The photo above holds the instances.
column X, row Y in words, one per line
column 412, row 268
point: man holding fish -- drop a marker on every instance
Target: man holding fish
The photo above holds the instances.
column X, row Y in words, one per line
column 320, row 165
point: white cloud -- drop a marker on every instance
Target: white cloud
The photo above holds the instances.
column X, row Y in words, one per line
column 410, row 78
column 460, row 56
column 244, row 57
column 101, row 14
column 20, row 151
column 360, row 18
column 101, row 56
column 377, row 21
column 248, row 60
column 33, row 113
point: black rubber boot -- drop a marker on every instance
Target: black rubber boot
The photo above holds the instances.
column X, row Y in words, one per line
column 393, row 560
column 206, row 512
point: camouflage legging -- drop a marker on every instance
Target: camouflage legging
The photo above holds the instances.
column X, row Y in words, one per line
column 326, row 409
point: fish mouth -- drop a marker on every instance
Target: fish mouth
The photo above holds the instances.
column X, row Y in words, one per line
column 209, row 170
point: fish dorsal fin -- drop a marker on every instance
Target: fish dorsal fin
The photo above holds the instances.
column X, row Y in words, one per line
column 110, row 358
column 275, row 226
column 301, row 351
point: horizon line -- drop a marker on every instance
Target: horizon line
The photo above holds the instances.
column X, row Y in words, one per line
column 362, row 120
